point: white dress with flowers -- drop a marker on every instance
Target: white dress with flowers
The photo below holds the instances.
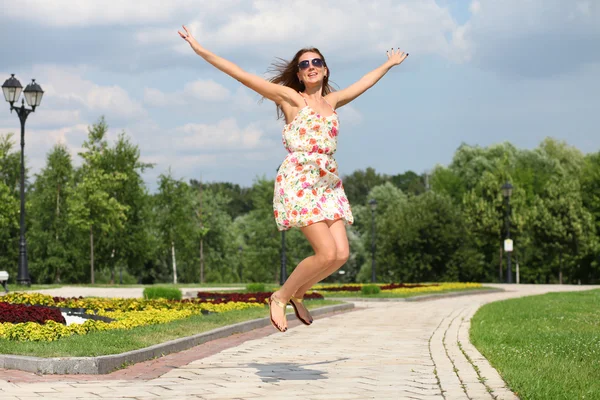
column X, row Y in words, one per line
column 308, row 188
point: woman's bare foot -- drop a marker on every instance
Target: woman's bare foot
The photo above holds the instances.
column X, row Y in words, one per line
column 277, row 312
column 301, row 311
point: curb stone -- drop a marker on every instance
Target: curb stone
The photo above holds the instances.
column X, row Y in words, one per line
column 106, row 364
column 419, row 298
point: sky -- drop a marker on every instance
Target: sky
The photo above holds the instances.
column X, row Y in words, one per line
column 480, row 72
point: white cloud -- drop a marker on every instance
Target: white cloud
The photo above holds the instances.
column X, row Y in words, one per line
column 345, row 27
column 204, row 90
column 67, row 91
column 95, row 12
column 530, row 38
column 226, row 134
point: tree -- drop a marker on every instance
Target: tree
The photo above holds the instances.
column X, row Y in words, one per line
column 563, row 228
column 358, row 184
column 51, row 237
column 92, row 207
column 174, row 211
column 9, row 204
column 131, row 244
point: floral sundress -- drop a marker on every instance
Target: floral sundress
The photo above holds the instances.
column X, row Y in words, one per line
column 308, row 188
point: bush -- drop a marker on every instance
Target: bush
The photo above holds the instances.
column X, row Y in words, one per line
column 255, row 287
column 162, row 293
column 370, row 289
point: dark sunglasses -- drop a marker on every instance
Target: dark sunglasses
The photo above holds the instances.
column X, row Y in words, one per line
column 316, row 62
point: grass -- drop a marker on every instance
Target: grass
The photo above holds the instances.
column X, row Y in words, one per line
column 545, row 347
column 119, row 341
column 384, row 295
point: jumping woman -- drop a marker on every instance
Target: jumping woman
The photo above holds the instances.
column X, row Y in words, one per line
column 308, row 190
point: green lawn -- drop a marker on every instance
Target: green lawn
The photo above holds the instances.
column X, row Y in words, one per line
column 545, row 347
column 119, row 341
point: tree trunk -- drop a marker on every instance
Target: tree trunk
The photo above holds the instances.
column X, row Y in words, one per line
column 174, row 262
column 201, row 260
column 92, row 253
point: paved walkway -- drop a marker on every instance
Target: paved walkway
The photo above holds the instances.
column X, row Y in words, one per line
column 387, row 350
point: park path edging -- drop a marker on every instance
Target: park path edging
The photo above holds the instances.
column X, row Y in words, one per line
column 106, row 364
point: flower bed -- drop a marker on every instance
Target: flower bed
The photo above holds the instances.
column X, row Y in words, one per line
column 358, row 287
column 126, row 313
column 400, row 288
column 19, row 313
column 255, row 297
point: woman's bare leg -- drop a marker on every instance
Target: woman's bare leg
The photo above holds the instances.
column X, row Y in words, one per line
column 324, row 245
column 338, row 231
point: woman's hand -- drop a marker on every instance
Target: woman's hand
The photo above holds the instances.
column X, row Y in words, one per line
column 187, row 36
column 395, row 57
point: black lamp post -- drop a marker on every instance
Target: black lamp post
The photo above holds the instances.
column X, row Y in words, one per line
column 241, row 250
column 33, row 94
column 507, row 192
column 283, row 271
column 373, row 204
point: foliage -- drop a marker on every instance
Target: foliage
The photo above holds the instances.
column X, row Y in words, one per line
column 158, row 292
column 255, row 287
column 370, row 289
column 98, row 222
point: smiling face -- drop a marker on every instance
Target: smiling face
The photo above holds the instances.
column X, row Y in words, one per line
column 312, row 75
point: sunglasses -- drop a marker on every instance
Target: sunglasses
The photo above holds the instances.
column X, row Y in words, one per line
column 316, row 62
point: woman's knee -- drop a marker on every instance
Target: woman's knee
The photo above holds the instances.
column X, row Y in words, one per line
column 342, row 256
column 327, row 256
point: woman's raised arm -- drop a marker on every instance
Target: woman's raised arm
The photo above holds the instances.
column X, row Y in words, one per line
column 345, row 96
column 278, row 93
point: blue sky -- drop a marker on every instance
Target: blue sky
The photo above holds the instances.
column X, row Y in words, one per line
column 479, row 72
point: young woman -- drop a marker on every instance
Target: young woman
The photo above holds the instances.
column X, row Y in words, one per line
column 308, row 191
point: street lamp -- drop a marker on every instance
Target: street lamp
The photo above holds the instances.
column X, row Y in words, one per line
column 508, row 247
column 240, row 250
column 373, row 204
column 283, row 271
column 33, row 94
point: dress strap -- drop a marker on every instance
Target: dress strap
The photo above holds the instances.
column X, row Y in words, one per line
column 333, row 109
column 304, row 98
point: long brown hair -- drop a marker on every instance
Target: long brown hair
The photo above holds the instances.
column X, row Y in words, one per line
column 286, row 74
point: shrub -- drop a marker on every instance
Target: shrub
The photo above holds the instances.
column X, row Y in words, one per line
column 370, row 289
column 162, row 293
column 255, row 287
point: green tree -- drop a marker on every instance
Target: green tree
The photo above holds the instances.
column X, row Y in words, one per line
column 174, row 208
column 564, row 229
column 92, row 206
column 51, row 237
column 131, row 245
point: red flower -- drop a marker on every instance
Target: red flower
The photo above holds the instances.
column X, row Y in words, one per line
column 300, row 193
column 278, row 178
column 316, row 211
column 276, row 213
column 322, row 173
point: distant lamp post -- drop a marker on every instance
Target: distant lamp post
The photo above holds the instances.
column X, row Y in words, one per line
column 373, row 204
column 241, row 251
column 283, row 271
column 508, row 243
column 33, row 94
